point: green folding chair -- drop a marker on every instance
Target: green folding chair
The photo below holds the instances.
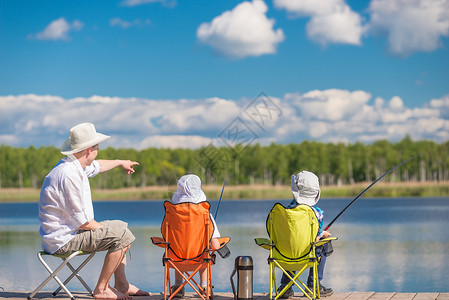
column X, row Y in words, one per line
column 292, row 233
column 66, row 258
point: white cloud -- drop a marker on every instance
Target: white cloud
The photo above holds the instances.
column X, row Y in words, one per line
column 410, row 25
column 304, row 8
column 126, row 24
column 442, row 105
column 396, row 104
column 77, row 25
column 241, row 32
column 131, row 3
column 9, row 139
column 339, row 115
column 325, row 115
column 175, row 141
column 58, row 30
column 332, row 105
column 46, row 119
column 189, row 114
column 331, row 21
column 119, row 22
column 318, row 129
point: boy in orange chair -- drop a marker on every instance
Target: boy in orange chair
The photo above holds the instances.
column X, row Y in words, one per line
column 189, row 190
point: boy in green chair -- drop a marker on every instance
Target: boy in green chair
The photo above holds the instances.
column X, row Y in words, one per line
column 306, row 190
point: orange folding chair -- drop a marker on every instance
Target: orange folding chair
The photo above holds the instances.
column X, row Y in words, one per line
column 186, row 234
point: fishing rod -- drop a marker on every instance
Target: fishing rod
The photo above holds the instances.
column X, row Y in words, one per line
column 224, row 251
column 386, row 173
column 219, row 201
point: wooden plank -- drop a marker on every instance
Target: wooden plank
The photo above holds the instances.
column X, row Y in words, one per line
column 298, row 296
column 443, row 296
column 15, row 295
column 359, row 295
column 403, row 296
column 382, row 296
column 426, row 296
column 43, row 295
column 337, row 296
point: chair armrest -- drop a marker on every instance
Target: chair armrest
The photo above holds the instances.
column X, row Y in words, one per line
column 160, row 242
column 223, row 241
column 325, row 241
column 264, row 243
column 223, row 251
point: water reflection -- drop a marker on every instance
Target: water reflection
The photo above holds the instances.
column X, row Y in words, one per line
column 389, row 258
column 384, row 249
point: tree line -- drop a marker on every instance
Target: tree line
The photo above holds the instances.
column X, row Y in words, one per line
column 334, row 163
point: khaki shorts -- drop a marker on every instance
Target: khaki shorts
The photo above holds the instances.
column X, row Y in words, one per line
column 112, row 236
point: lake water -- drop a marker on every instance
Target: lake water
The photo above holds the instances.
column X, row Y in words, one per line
column 384, row 245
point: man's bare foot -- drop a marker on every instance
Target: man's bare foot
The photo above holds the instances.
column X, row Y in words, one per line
column 132, row 290
column 111, row 293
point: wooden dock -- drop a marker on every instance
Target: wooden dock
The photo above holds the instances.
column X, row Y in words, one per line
column 257, row 296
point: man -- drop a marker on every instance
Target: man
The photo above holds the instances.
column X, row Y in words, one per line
column 67, row 217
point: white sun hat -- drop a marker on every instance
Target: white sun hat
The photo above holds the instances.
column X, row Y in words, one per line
column 189, row 190
column 306, row 188
column 82, row 136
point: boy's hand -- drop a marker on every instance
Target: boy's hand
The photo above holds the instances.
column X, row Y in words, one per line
column 326, row 234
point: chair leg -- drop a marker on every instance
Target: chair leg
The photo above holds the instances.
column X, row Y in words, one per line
column 75, row 273
column 53, row 275
column 166, row 278
column 187, row 280
column 209, row 291
column 272, row 276
column 293, row 280
column 316, row 282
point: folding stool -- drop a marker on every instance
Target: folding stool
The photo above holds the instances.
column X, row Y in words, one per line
column 66, row 258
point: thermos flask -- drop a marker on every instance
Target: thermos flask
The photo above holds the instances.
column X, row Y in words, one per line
column 244, row 270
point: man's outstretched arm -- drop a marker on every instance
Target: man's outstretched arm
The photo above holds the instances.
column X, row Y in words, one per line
column 127, row 165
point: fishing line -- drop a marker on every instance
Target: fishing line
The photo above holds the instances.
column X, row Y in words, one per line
column 388, row 172
column 219, row 201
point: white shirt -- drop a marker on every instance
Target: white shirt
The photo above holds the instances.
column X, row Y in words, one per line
column 65, row 202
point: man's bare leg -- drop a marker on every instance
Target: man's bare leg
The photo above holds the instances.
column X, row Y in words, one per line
column 121, row 282
column 103, row 290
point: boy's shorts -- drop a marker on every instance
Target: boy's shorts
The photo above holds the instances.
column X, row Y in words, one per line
column 112, row 236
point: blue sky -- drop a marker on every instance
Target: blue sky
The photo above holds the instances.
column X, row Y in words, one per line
column 173, row 73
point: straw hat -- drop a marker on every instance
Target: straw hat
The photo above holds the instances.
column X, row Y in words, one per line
column 306, row 188
column 82, row 136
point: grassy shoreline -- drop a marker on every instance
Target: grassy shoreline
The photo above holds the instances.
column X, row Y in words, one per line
column 381, row 189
